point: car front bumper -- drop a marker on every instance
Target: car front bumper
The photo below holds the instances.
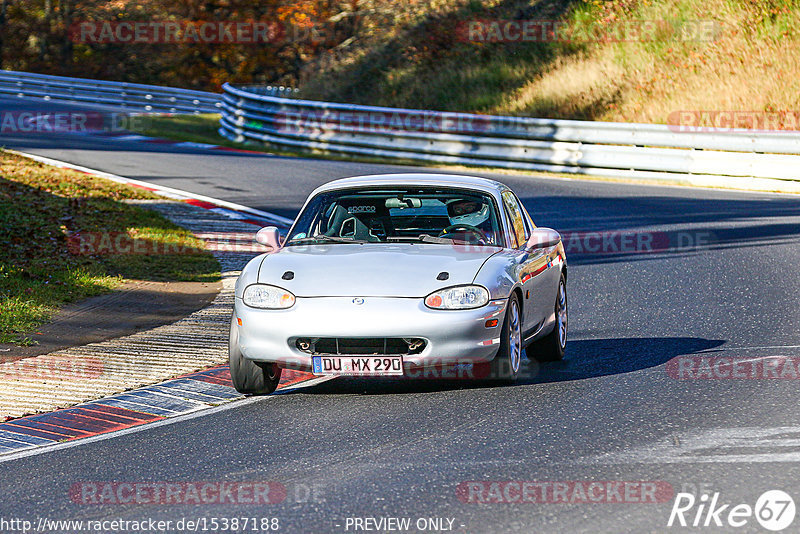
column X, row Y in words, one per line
column 451, row 336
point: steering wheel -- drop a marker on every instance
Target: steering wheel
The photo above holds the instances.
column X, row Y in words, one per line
column 474, row 230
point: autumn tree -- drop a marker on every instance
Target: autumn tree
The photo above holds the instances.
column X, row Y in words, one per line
column 41, row 36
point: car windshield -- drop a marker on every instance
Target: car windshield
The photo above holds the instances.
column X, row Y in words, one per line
column 392, row 215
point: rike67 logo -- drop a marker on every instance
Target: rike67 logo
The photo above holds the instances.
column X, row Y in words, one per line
column 774, row 510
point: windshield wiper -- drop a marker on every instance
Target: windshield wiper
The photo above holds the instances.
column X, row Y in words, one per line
column 424, row 238
column 326, row 239
column 402, row 238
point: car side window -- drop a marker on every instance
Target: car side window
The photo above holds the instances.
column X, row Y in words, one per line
column 512, row 238
column 526, row 219
column 517, row 219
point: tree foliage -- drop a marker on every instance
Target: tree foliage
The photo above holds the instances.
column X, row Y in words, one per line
column 40, row 36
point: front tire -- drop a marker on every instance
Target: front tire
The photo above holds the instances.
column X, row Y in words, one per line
column 249, row 377
column 506, row 364
column 551, row 347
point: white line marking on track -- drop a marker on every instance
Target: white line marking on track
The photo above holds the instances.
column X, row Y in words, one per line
column 753, row 348
column 191, row 144
column 704, row 446
column 167, row 395
column 168, row 192
column 132, row 137
column 307, row 383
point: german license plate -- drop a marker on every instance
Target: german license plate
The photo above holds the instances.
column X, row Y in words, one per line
column 358, row 365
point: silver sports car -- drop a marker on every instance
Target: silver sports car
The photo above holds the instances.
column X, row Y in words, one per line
column 392, row 274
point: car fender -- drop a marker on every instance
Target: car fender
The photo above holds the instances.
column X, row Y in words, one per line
column 498, row 274
column 249, row 275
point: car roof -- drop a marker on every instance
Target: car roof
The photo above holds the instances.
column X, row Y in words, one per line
column 415, row 179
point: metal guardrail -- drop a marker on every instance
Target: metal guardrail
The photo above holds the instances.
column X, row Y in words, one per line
column 280, row 91
column 644, row 151
column 130, row 96
column 273, row 114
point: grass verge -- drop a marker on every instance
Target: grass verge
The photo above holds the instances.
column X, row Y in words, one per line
column 204, row 128
column 200, row 128
column 41, row 206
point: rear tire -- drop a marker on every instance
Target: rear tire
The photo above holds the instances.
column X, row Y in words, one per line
column 505, row 366
column 551, row 347
column 249, row 377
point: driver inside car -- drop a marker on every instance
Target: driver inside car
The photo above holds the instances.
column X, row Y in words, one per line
column 469, row 221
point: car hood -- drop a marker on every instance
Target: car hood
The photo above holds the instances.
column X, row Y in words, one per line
column 371, row 270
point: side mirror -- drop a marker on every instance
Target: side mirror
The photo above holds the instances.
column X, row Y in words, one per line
column 543, row 238
column 269, row 237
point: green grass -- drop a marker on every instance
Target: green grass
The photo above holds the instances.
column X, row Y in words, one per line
column 194, row 128
column 203, row 129
column 40, row 206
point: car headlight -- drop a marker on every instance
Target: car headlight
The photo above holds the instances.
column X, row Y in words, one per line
column 458, row 298
column 268, row 297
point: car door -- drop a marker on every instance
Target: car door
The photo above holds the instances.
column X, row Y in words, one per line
column 550, row 277
column 532, row 265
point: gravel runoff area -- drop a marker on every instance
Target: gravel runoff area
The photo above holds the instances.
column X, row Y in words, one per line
column 79, row 374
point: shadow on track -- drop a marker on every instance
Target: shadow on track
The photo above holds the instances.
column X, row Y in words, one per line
column 586, row 358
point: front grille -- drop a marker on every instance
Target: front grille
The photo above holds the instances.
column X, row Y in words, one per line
column 360, row 345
